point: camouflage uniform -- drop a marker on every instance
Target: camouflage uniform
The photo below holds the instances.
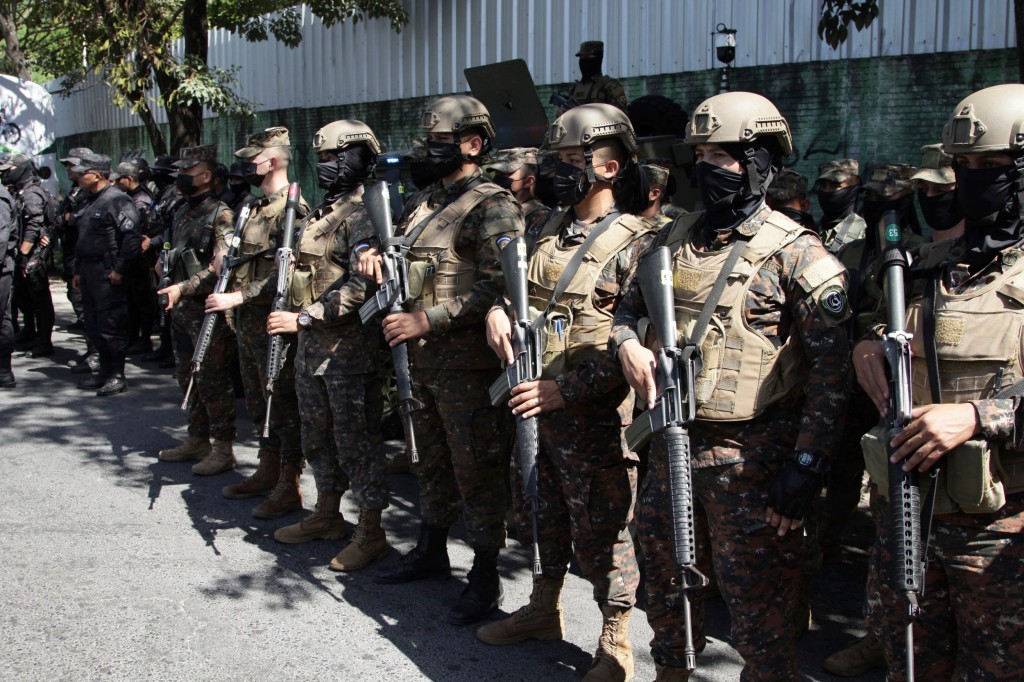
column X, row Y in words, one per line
column 507, row 162
column 735, row 462
column 601, row 88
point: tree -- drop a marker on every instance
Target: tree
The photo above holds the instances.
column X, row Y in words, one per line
column 837, row 15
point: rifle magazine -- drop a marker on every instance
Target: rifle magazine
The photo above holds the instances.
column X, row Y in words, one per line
column 639, row 433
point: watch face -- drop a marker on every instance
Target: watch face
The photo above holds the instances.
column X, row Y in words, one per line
column 805, row 459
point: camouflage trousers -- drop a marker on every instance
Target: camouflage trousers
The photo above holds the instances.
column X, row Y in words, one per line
column 758, row 572
column 587, row 505
column 464, row 447
column 341, row 417
column 971, row 626
column 212, row 410
column 253, row 349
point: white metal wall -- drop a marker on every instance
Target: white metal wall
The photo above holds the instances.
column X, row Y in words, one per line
column 367, row 62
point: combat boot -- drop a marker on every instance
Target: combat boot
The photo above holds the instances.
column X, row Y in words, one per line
column 667, row 673
column 192, row 448
column 541, row 618
column 285, row 498
column 220, row 459
column 428, row 559
column 857, row 659
column 114, row 384
column 613, row 661
column 483, row 594
column 7, row 379
column 325, row 523
column 259, row 482
column 368, row 544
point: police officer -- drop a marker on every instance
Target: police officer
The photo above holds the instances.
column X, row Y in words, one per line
column 9, row 243
column 516, row 170
column 108, row 246
column 970, row 626
column 337, row 364
column 595, row 86
column 200, row 231
column 769, row 397
column 581, row 401
column 157, row 233
column 453, row 229
column 68, row 232
column 253, row 282
column 936, row 193
column 142, row 305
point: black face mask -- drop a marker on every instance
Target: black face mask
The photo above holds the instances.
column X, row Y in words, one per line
column 840, row 203
column 162, row 178
column 872, row 209
column 249, row 173
column 590, row 67
column 717, row 186
column 342, row 175
column 805, row 219
column 186, row 184
column 444, row 158
column 544, row 189
column 940, row 211
column 570, row 184
column 504, row 181
column 984, row 192
column 239, row 187
column 19, row 174
column 422, row 174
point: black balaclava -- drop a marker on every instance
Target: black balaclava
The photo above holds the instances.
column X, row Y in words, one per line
column 590, row 67
column 941, row 211
column 730, row 198
column 990, row 199
column 805, row 219
column 838, row 204
column 342, row 175
column 873, row 209
column 20, row 173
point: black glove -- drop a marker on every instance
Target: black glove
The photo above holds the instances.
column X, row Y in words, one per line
column 794, row 490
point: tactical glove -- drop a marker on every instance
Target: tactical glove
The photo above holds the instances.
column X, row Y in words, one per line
column 795, row 490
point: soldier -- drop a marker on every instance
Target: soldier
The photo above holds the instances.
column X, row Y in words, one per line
column 891, row 188
column 516, row 170
column 966, row 416
column 337, row 373
column 254, row 277
column 595, row 86
column 9, row 242
column 770, row 394
column 936, row 194
column 200, row 231
column 453, row 229
column 788, row 196
column 239, row 188
column 37, row 214
column 838, row 189
column 659, row 180
column 158, row 233
column 142, row 304
column 107, row 247
column 582, row 400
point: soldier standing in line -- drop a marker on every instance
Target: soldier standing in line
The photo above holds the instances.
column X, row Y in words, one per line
column 770, row 395
column 516, row 170
column 595, row 86
column 658, row 176
column 239, row 188
column 453, row 229
column 788, row 196
column 337, row 365
column 158, row 232
column 838, row 189
column 936, row 193
column 142, row 304
column 200, row 231
column 581, row 401
column 9, row 243
column 254, row 278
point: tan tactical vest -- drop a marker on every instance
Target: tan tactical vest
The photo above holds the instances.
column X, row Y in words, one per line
column 315, row 270
column 575, row 328
column 744, row 372
column 257, row 239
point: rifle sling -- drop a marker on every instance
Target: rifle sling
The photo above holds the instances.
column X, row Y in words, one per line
column 700, row 328
column 462, row 204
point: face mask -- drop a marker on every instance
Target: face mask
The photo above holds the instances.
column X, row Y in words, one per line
column 544, row 189
column 422, row 174
column 503, row 181
column 717, row 186
column 590, row 66
column 805, row 219
column 444, row 157
column 940, row 211
column 571, row 184
column 345, row 173
column 983, row 192
column 186, row 184
column 839, row 202
column 872, row 209
column 239, row 187
column 249, row 173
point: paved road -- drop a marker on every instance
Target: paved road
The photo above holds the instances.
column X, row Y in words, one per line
column 114, row 565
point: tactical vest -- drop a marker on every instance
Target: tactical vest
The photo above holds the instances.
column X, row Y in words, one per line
column 848, row 230
column 575, row 329
column 315, row 270
column 258, row 239
column 744, row 372
column 192, row 240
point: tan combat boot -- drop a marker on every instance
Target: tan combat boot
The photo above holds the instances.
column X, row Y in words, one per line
column 613, row 661
column 192, row 448
column 325, row 523
column 668, row 673
column 220, row 459
column 368, row 544
column 285, row 498
column 857, row 659
column 259, row 482
column 541, row 618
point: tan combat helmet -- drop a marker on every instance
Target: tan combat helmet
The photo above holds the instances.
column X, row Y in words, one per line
column 341, row 134
column 989, row 120
column 583, row 125
column 738, row 117
column 457, row 113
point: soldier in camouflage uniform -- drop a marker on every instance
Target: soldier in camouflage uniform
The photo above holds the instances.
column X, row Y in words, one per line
column 200, row 231
column 659, row 179
column 582, row 400
column 516, row 170
column 253, row 282
column 838, row 188
column 337, row 373
column 936, row 193
column 788, row 196
column 594, row 86
column 970, row 625
column 769, row 397
column 453, row 229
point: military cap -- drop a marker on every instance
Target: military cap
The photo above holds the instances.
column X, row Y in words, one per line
column 838, row 170
column 547, row 160
column 591, row 48
column 92, row 161
column 271, row 137
column 235, row 171
column 126, row 169
column 193, row 156
column 656, row 172
column 936, row 166
column 75, row 155
column 788, row 185
column 165, row 162
column 511, row 160
column 9, row 161
column 888, row 179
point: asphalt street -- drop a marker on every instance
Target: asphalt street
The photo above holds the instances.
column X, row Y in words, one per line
column 114, row 565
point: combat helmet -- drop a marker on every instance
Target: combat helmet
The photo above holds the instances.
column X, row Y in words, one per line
column 584, row 125
column 456, row 113
column 738, row 117
column 341, row 134
column 989, row 120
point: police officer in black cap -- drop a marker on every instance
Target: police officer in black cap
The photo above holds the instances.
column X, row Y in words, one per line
column 8, row 245
column 237, row 194
column 157, row 233
column 142, row 305
column 108, row 246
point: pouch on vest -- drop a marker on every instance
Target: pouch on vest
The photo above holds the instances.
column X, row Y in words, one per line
column 554, row 339
column 421, row 282
column 300, row 290
column 190, row 263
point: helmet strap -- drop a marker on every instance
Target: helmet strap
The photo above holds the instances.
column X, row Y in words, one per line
column 749, row 162
column 1018, row 164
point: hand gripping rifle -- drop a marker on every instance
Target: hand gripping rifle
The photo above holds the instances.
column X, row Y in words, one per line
column 278, row 346
column 526, row 345
column 210, row 319
column 904, row 492
column 393, row 293
column 674, row 378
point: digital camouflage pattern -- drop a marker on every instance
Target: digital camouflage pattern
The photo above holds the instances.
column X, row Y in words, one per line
column 839, row 170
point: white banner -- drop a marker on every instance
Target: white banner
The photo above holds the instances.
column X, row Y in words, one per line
column 26, row 117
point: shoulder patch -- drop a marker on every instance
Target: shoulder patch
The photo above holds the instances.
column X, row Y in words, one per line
column 834, row 304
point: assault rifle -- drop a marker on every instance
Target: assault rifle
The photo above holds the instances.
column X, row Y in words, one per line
column 672, row 413
column 393, row 293
column 210, row 319
column 278, row 346
column 904, row 491
column 560, row 99
column 526, row 345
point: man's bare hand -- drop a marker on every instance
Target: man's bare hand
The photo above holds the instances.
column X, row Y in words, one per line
column 401, row 327
column 638, row 364
column 534, row 397
column 369, row 265
column 115, row 277
column 173, row 294
column 218, row 303
column 933, row 431
column 282, row 322
column 499, row 335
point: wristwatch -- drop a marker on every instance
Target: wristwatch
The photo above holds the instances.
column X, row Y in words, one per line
column 811, row 461
column 305, row 320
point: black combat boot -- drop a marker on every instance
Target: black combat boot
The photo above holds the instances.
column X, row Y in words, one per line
column 428, row 559
column 6, row 375
column 483, row 594
column 112, row 386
